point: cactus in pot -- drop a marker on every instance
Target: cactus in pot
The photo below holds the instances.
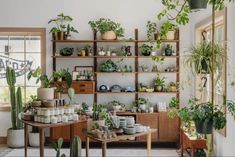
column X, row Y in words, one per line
column 15, row 98
column 71, row 91
column 75, row 147
column 15, row 135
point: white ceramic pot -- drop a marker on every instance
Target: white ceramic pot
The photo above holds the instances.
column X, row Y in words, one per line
column 34, row 139
column 47, row 120
column 170, row 35
column 151, row 109
column 59, row 118
column 54, row 119
column 91, row 123
column 65, row 119
column 75, row 117
column 110, row 35
column 15, row 138
column 117, row 108
column 45, row 93
column 143, row 107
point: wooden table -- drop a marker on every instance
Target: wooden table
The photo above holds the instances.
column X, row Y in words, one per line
column 192, row 143
column 119, row 138
column 41, row 128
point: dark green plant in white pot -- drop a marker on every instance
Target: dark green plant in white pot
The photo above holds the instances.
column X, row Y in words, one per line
column 15, row 135
column 45, row 92
column 109, row 29
column 159, row 83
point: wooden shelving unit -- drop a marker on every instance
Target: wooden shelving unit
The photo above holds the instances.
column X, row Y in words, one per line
column 140, row 117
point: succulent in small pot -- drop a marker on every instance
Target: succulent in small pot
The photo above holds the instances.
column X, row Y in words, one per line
column 141, row 103
column 116, row 105
column 67, row 51
column 35, row 101
column 68, row 32
column 172, row 87
column 168, row 31
column 109, row 29
column 159, row 83
column 146, row 49
column 169, row 50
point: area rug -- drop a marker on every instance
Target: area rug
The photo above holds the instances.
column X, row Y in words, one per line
column 32, row 152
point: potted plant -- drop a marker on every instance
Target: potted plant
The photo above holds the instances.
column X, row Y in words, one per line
column 45, row 92
column 109, row 29
column 141, row 103
column 169, row 50
column 206, row 117
column 200, row 59
column 68, row 32
column 159, row 83
column 198, row 4
column 71, row 92
column 146, row 49
column 97, row 118
column 34, row 137
column 15, row 135
column 67, row 51
column 157, row 60
column 116, row 105
column 168, row 31
column 61, row 31
column 152, row 31
column 35, row 101
column 172, row 87
column 108, row 66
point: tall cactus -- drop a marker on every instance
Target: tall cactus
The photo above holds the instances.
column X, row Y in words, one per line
column 19, row 107
column 76, row 147
column 15, row 109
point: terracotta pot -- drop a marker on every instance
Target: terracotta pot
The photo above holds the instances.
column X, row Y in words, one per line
column 15, row 138
column 170, row 35
column 60, row 35
column 45, row 93
column 110, row 35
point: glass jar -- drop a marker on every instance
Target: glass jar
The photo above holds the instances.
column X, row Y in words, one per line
column 64, row 118
column 53, row 120
column 75, row 117
column 47, row 119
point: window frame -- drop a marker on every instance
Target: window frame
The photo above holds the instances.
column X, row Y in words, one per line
column 26, row 31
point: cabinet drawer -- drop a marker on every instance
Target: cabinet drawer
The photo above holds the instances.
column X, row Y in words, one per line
column 84, row 87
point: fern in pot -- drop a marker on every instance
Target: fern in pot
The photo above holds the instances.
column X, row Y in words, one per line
column 109, row 29
column 45, row 92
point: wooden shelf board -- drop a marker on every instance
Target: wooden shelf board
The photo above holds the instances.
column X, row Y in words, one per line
column 125, row 57
column 136, row 92
column 72, row 57
column 157, row 92
column 115, row 92
column 110, row 41
column 73, row 41
column 116, row 72
column 158, row 72
column 146, row 41
column 158, row 56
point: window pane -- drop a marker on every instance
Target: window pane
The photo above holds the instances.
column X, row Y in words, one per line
column 33, row 44
column 16, row 43
column 30, row 91
column 4, row 60
column 3, row 44
column 4, row 95
column 33, row 60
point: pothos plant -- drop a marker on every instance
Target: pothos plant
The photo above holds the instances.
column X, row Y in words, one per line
column 103, row 25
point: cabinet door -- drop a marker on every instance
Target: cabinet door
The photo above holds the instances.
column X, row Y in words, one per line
column 148, row 120
column 58, row 132
column 168, row 128
column 77, row 130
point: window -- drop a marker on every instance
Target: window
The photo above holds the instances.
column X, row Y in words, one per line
column 22, row 49
column 204, row 31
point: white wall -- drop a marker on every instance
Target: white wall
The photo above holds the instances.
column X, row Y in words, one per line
column 224, row 146
column 130, row 13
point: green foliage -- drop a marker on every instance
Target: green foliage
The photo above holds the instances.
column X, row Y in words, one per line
column 151, row 29
column 70, row 29
column 46, row 82
column 97, row 110
column 84, row 106
column 174, row 103
column 159, row 81
column 76, row 147
column 15, row 98
column 231, row 107
column 108, row 66
column 103, row 25
column 200, row 58
column 57, row 147
column 60, row 22
column 146, row 49
column 141, row 101
column 166, row 27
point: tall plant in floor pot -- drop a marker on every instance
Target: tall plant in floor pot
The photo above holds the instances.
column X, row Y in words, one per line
column 15, row 135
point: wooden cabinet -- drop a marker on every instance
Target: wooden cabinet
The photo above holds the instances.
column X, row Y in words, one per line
column 148, row 120
column 84, row 87
column 168, row 128
column 58, row 132
column 77, row 130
